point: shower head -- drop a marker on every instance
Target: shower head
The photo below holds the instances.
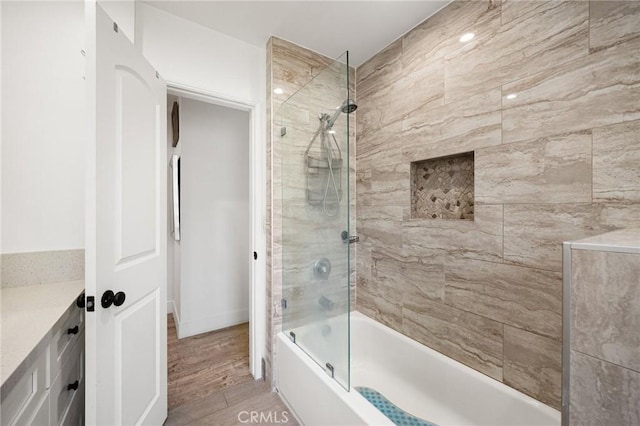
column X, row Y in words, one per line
column 347, row 107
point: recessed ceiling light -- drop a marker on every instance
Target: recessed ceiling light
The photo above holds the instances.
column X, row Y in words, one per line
column 278, row 91
column 512, row 96
column 467, row 37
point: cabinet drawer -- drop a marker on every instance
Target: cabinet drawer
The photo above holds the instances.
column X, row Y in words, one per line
column 64, row 337
column 22, row 398
column 72, row 371
column 38, row 418
column 75, row 414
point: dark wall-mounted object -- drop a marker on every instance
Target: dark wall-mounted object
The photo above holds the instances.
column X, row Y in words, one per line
column 175, row 123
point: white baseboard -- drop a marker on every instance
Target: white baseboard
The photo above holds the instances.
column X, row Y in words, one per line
column 172, row 309
column 216, row 322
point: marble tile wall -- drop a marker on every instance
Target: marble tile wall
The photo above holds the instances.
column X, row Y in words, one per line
column 557, row 162
column 604, row 361
column 35, row 268
column 302, row 72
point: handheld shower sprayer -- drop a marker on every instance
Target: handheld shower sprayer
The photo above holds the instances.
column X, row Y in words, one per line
column 331, row 155
column 347, row 107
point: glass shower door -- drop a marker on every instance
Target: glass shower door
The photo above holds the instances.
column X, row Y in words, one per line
column 314, row 147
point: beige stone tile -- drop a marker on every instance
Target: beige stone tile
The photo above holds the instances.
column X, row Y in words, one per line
column 616, row 156
column 605, row 296
column 384, row 66
column 377, row 148
column 613, row 22
column 526, row 298
column 384, row 101
column 456, row 127
column 379, row 301
column 598, row 90
column 530, row 40
column 555, row 169
column 409, row 276
column 532, row 365
column 603, row 393
column 423, row 277
column 465, row 337
column 533, row 233
column 363, row 187
column 420, row 88
column 294, row 66
column 438, row 37
column 381, row 226
column 478, row 239
column 390, row 185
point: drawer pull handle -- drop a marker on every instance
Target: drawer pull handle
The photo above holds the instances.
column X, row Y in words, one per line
column 73, row 330
column 73, row 386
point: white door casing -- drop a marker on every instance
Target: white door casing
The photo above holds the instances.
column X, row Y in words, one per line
column 126, row 238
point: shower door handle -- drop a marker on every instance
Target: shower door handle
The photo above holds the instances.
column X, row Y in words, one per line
column 349, row 239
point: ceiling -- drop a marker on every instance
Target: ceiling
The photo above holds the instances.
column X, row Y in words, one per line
column 328, row 27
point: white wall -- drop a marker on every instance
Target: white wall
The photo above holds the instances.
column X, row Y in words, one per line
column 43, row 132
column 173, row 246
column 215, row 217
column 192, row 55
column 124, row 13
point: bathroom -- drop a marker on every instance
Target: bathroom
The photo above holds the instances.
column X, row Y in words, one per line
column 482, row 136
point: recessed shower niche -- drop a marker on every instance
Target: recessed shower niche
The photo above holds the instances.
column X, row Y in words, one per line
column 442, row 188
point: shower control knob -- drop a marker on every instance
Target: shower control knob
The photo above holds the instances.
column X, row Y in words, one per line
column 322, row 269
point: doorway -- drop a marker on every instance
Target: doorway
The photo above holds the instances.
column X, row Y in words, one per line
column 209, row 247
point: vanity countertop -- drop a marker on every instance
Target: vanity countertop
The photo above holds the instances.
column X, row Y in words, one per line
column 27, row 315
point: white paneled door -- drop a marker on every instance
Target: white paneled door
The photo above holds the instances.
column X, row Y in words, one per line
column 126, row 341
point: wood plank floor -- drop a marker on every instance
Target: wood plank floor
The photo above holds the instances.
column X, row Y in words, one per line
column 201, row 365
column 234, row 406
column 210, row 382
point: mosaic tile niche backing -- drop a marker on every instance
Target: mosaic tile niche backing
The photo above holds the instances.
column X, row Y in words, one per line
column 442, row 188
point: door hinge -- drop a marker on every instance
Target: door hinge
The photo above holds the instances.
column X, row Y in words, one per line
column 283, row 303
column 283, row 131
column 255, row 255
column 91, row 303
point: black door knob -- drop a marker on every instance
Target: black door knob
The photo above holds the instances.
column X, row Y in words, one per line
column 107, row 299
column 80, row 301
column 73, row 386
column 119, row 298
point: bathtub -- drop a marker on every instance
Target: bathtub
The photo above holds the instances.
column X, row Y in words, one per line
column 417, row 379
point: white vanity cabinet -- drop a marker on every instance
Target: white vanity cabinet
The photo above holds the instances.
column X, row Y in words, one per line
column 47, row 385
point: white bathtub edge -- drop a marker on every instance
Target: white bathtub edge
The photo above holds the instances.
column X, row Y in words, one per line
column 331, row 404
